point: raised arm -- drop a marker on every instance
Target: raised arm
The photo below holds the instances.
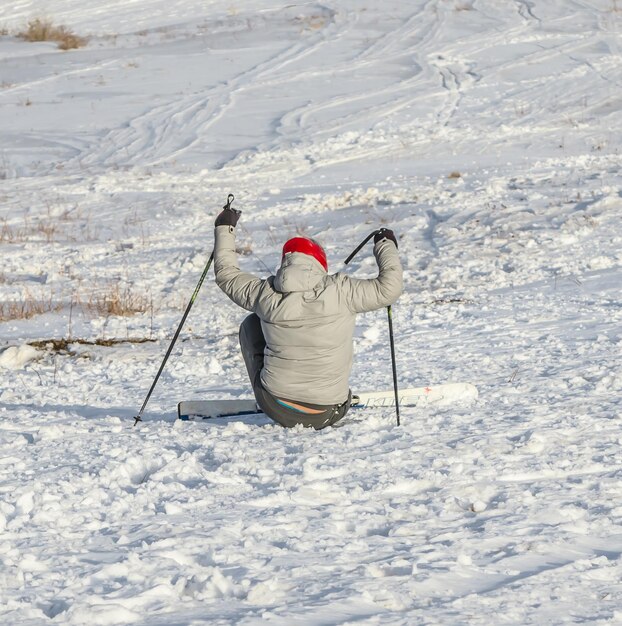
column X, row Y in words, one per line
column 241, row 287
column 374, row 293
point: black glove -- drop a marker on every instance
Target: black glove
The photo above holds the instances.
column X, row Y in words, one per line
column 385, row 233
column 228, row 216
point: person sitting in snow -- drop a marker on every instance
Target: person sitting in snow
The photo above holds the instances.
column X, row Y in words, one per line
column 298, row 342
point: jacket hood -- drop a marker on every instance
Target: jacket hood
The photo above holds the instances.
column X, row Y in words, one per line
column 298, row 272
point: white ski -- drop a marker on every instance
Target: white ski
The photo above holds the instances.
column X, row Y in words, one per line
column 415, row 396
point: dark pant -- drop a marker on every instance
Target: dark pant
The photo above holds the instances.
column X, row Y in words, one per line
column 252, row 343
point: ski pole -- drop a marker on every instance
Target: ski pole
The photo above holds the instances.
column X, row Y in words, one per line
column 356, row 250
column 393, row 364
column 391, row 336
column 138, row 418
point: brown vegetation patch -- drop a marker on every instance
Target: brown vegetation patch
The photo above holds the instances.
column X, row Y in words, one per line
column 63, row 345
column 44, row 30
column 68, row 225
column 113, row 300
column 26, row 308
column 117, row 301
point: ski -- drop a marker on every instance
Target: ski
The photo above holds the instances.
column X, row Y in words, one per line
column 189, row 410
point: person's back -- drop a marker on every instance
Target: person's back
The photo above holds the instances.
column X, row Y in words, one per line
column 297, row 345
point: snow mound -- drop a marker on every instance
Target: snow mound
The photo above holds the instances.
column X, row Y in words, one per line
column 14, row 357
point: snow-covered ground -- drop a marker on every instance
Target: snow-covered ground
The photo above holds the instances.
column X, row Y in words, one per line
column 487, row 133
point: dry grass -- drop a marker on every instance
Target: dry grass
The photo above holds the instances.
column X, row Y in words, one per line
column 117, row 300
column 26, row 308
column 47, row 229
column 113, row 300
column 42, row 229
column 44, row 30
column 7, row 233
column 311, row 22
column 68, row 226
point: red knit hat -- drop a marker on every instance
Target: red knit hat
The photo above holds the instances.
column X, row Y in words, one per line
column 306, row 246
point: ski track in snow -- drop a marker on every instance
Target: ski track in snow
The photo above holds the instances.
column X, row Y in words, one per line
column 487, row 134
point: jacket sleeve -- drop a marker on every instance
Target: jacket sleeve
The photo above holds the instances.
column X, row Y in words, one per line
column 364, row 295
column 241, row 287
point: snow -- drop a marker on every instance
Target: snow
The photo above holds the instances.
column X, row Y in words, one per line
column 487, row 135
column 15, row 357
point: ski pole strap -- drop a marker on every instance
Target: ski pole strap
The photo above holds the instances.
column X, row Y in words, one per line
column 230, row 199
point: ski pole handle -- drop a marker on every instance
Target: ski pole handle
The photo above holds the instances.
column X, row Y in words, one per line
column 228, row 216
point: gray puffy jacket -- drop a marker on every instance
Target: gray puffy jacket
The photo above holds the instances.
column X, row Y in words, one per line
column 307, row 316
